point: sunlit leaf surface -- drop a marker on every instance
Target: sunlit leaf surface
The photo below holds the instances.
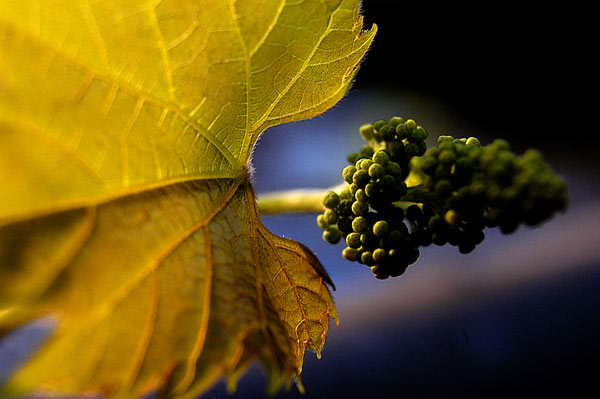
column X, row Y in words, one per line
column 126, row 209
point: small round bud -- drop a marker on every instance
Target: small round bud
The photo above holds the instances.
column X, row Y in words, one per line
column 353, row 240
column 402, row 131
column 371, row 190
column 387, row 132
column 411, row 124
column 322, row 222
column 394, row 169
column 367, row 258
column 379, row 255
column 352, row 158
column 443, row 188
column 331, row 200
column 360, row 195
column 412, row 150
column 367, row 151
column 345, row 194
column 446, row 157
column 421, row 133
column 444, row 139
column 381, row 157
column 351, row 254
column 452, row 217
column 473, row 141
column 396, row 120
column 379, row 124
column 366, row 131
column 361, row 178
column 381, row 228
column 345, row 207
column 376, row 171
column 360, row 224
column 348, row 172
column 331, row 216
column 332, row 235
column 360, row 208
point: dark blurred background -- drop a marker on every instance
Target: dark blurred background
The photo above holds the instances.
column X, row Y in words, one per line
column 519, row 316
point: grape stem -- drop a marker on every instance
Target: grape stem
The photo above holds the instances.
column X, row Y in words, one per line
column 310, row 200
column 303, row 200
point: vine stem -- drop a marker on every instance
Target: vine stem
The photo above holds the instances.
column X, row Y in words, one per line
column 303, row 200
column 310, row 200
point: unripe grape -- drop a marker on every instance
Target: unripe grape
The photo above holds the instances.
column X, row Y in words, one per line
column 379, row 124
column 402, row 130
column 396, row 120
column 353, row 240
column 411, row 150
column 345, row 194
column 367, row 258
column 332, row 235
column 322, row 222
column 352, row 158
column 361, row 178
column 421, row 133
column 348, row 172
column 381, row 157
column 371, row 190
column 331, row 200
column 360, row 208
column 443, row 188
column 366, row 131
column 367, row 151
column 473, row 141
column 393, row 169
column 386, row 183
column 387, row 132
column 351, row 254
column 381, row 228
column 379, row 255
column 331, row 216
column 466, row 247
column 452, row 217
column 376, row 171
column 360, row 224
column 446, row 157
column 360, row 195
column 345, row 207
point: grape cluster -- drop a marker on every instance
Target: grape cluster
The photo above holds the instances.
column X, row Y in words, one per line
column 364, row 213
column 465, row 187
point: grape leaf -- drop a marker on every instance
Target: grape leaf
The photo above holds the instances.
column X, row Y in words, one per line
column 126, row 208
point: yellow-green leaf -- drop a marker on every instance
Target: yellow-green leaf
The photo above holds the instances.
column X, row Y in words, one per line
column 126, row 210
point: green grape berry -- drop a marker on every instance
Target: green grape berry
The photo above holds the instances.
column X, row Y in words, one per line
column 360, row 224
column 332, row 235
column 366, row 131
column 353, row 240
column 331, row 200
column 381, row 228
column 351, row 254
column 322, row 222
column 348, row 173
